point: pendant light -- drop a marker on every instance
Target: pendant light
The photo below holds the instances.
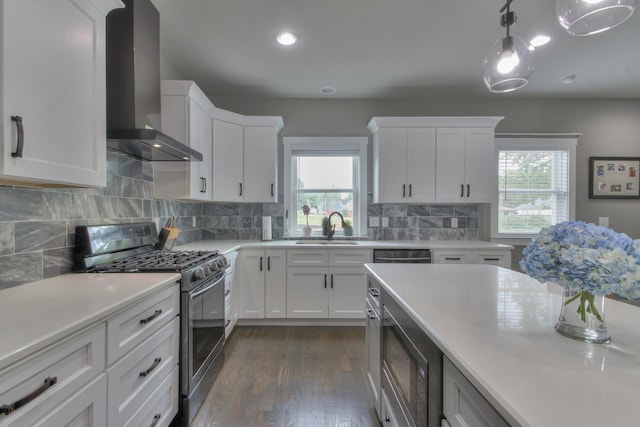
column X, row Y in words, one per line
column 586, row 17
column 509, row 63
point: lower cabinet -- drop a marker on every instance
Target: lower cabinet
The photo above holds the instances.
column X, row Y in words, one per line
column 113, row 373
column 230, row 296
column 320, row 292
column 463, row 405
column 262, row 284
column 387, row 416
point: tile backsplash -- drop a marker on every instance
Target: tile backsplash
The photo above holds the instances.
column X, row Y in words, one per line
column 37, row 225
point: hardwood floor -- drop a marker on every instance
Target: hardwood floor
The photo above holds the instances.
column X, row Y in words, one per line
column 281, row 376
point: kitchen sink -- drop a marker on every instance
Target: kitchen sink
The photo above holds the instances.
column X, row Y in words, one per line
column 326, row 242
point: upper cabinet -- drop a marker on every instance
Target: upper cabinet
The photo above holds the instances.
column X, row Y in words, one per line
column 186, row 116
column 433, row 159
column 239, row 152
column 53, row 92
column 405, row 172
column 245, row 157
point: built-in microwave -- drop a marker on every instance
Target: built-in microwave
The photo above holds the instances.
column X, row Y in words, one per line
column 411, row 368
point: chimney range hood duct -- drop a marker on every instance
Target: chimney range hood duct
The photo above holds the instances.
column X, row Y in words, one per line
column 133, row 86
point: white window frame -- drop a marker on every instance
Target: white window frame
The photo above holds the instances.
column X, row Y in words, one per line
column 513, row 142
column 331, row 144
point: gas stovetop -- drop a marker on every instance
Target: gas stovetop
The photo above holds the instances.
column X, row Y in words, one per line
column 162, row 261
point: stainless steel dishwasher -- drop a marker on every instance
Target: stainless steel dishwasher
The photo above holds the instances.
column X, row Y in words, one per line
column 412, row 256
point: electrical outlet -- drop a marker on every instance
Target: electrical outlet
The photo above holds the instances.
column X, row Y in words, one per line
column 193, row 221
column 603, row 221
column 385, row 221
column 374, row 221
column 454, row 222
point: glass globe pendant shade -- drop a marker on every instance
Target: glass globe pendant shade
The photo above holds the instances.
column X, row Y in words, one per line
column 586, row 17
column 508, row 65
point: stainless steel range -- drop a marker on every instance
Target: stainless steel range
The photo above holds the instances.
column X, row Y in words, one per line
column 131, row 248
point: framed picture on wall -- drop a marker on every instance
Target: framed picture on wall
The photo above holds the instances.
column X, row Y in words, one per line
column 614, row 178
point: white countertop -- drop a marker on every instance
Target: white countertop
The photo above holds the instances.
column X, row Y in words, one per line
column 226, row 246
column 497, row 327
column 40, row 313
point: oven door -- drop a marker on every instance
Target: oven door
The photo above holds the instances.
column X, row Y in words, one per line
column 202, row 330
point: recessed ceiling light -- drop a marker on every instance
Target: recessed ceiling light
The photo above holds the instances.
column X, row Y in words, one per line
column 286, row 38
column 328, row 90
column 540, row 40
column 567, row 80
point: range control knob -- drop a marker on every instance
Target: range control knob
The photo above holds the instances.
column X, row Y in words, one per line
column 199, row 274
column 207, row 270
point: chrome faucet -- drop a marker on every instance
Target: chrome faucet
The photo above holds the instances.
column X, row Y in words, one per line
column 332, row 229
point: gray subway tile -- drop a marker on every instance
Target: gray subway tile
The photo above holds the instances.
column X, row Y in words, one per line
column 442, row 210
column 419, row 210
column 39, row 235
column 7, row 238
column 394, row 210
column 466, row 210
column 20, row 268
column 57, row 261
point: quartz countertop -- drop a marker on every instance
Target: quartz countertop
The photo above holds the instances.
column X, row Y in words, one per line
column 40, row 313
column 497, row 327
column 226, row 246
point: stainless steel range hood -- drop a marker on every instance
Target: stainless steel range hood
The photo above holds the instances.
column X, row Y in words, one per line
column 133, row 86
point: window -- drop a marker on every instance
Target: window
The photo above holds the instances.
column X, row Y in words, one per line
column 536, row 185
column 328, row 175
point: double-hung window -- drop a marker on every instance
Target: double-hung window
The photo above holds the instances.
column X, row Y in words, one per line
column 327, row 175
column 536, row 184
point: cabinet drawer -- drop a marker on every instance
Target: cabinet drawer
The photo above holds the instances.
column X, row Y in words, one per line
column 134, row 378
column 86, row 408
column 72, row 362
column 161, row 406
column 452, row 258
column 131, row 326
column 308, row 258
column 349, row 257
column 463, row 405
column 500, row 259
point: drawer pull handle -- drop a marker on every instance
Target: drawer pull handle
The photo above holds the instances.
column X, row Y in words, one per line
column 227, row 292
column 18, row 120
column 374, row 292
column 227, row 323
column 48, row 383
column 150, row 318
column 371, row 314
column 156, row 418
column 156, row 362
column 492, row 259
column 452, row 258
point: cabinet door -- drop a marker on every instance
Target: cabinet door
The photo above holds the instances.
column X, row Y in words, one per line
column 390, row 168
column 421, row 165
column 276, row 284
column 348, row 287
column 481, row 173
column 501, row 258
column 250, row 274
column 453, row 257
column 450, row 160
column 372, row 336
column 53, row 76
column 307, row 292
column 260, row 164
column 228, row 155
column 200, row 139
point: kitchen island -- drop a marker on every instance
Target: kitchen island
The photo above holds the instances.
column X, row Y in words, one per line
column 497, row 328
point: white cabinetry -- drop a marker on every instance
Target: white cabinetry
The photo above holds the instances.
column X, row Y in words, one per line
column 230, row 296
column 333, row 290
column 466, row 165
column 53, row 98
column 387, row 416
column 120, row 371
column 245, row 157
column 262, row 283
column 434, row 159
column 186, row 116
column 406, row 168
column 463, row 405
column 499, row 257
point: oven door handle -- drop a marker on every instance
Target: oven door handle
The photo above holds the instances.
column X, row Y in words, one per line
column 199, row 291
column 404, row 259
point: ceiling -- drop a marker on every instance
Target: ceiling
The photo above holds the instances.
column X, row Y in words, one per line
column 385, row 48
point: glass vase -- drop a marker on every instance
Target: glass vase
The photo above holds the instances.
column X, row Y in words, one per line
column 582, row 317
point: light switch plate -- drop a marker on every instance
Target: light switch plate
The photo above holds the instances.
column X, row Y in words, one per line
column 193, row 221
column 374, row 221
column 385, row 221
column 454, row 222
column 603, row 221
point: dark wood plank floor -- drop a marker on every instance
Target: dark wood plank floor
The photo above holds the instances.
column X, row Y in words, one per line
column 281, row 376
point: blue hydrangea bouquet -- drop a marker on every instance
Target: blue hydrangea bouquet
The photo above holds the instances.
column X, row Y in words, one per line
column 587, row 259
